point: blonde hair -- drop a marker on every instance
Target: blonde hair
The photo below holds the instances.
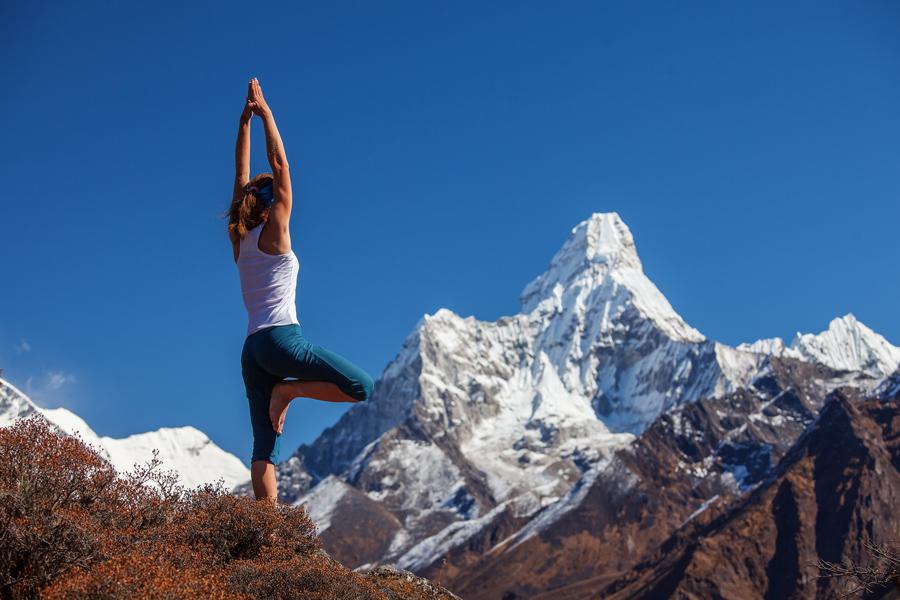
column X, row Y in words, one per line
column 246, row 210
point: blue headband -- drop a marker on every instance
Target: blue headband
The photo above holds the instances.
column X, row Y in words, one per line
column 264, row 194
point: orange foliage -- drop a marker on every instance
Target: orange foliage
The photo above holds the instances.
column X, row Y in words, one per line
column 71, row 527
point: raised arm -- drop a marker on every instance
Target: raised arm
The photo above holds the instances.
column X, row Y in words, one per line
column 281, row 210
column 242, row 148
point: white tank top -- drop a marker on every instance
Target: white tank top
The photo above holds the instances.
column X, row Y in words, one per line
column 268, row 284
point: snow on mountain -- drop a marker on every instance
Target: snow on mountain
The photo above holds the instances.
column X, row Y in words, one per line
column 847, row 345
column 889, row 386
column 14, row 404
column 600, row 252
column 72, row 424
column 186, row 450
column 424, row 552
column 474, row 415
column 324, row 497
column 572, row 499
column 477, row 425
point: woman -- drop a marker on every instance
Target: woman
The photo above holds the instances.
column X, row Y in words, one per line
column 275, row 349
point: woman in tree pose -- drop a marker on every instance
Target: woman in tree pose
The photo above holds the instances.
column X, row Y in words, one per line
column 275, row 349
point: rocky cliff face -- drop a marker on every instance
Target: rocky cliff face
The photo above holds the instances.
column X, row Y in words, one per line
column 837, row 487
column 485, row 438
column 691, row 462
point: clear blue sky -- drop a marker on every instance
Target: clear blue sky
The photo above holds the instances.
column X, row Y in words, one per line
column 441, row 152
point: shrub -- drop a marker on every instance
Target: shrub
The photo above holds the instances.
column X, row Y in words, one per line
column 136, row 574
column 71, row 527
column 314, row 577
column 54, row 495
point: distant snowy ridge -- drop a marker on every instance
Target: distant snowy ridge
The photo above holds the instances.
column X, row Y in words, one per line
column 847, row 345
column 186, row 450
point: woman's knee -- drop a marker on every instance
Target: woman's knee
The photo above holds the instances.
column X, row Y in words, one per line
column 351, row 378
column 367, row 387
column 358, row 386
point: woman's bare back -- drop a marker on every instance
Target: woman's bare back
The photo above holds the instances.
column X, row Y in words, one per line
column 272, row 240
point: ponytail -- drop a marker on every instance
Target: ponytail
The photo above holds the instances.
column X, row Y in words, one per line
column 247, row 208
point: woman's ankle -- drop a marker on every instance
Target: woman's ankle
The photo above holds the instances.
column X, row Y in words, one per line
column 288, row 389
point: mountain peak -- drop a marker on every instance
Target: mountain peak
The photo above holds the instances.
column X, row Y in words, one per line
column 603, row 241
column 603, row 238
column 598, row 264
column 847, row 325
column 847, row 345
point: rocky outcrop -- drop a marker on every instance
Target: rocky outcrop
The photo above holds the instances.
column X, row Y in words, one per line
column 836, row 488
column 691, row 460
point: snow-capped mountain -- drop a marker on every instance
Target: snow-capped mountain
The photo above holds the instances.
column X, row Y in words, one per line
column 529, row 401
column 847, row 345
column 484, row 426
column 186, row 450
column 731, row 497
column 889, row 386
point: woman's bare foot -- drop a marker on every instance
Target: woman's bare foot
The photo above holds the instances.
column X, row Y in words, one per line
column 287, row 390
column 282, row 394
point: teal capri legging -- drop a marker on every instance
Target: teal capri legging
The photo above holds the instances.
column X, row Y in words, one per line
column 279, row 352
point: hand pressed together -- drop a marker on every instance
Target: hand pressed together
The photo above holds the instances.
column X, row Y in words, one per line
column 256, row 103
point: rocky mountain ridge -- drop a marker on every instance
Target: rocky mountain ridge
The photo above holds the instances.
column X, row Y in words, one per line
column 484, row 431
column 696, row 460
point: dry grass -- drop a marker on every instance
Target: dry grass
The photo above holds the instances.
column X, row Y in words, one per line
column 880, row 572
column 71, row 527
